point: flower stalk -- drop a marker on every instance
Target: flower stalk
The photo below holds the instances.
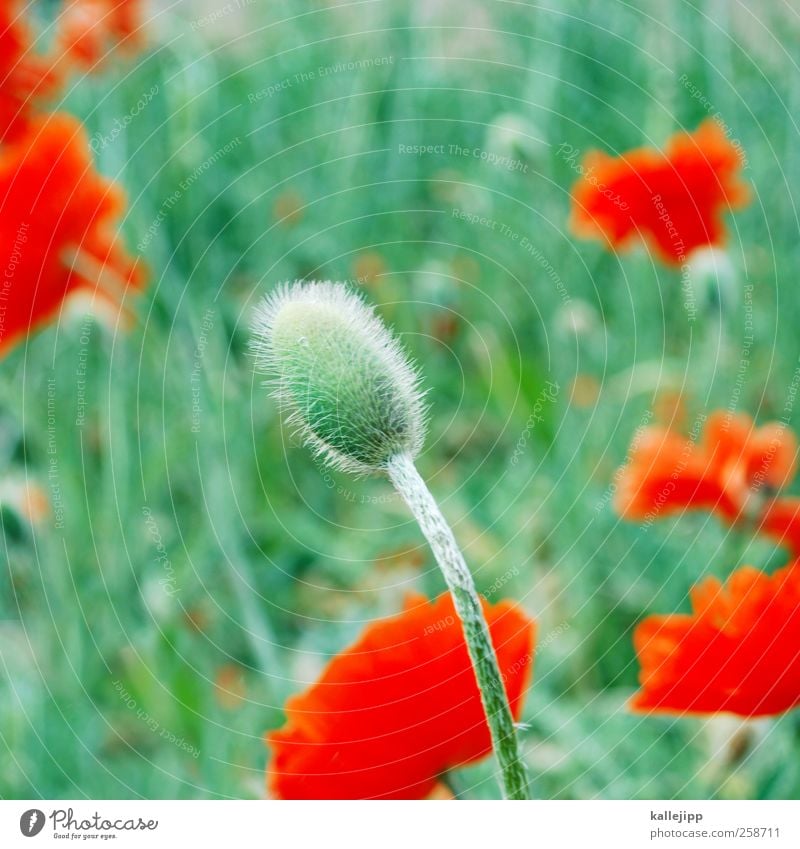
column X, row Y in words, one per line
column 410, row 485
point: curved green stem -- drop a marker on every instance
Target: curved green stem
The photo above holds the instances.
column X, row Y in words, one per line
column 415, row 493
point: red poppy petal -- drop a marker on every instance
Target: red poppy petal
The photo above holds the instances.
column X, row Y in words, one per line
column 397, row 708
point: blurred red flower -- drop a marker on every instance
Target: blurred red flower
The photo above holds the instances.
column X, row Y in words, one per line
column 25, row 76
column 673, row 199
column 738, row 652
column 398, row 708
column 58, row 222
column 90, row 30
column 780, row 521
column 667, row 473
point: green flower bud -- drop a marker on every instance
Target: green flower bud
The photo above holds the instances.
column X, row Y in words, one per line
column 710, row 278
column 340, row 374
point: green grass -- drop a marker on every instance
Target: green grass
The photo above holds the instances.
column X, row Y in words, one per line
column 106, row 685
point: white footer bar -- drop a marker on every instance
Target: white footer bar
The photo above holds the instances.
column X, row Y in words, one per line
column 386, row 825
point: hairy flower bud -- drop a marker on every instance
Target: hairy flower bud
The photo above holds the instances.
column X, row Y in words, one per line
column 712, row 278
column 341, row 375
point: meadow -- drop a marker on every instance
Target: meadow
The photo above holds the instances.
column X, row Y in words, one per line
column 196, row 566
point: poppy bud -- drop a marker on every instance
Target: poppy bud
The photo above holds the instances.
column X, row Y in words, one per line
column 713, row 279
column 344, row 379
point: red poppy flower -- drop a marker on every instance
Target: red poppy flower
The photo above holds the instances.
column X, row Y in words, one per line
column 91, row 29
column 25, row 76
column 668, row 473
column 780, row 521
column 674, row 199
column 738, row 652
column 58, row 226
column 398, row 708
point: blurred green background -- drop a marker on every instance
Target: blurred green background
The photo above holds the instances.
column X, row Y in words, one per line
column 197, row 566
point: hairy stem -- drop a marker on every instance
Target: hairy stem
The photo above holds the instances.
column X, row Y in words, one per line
column 412, row 488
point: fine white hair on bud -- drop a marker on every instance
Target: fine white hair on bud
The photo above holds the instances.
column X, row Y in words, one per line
column 340, row 374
